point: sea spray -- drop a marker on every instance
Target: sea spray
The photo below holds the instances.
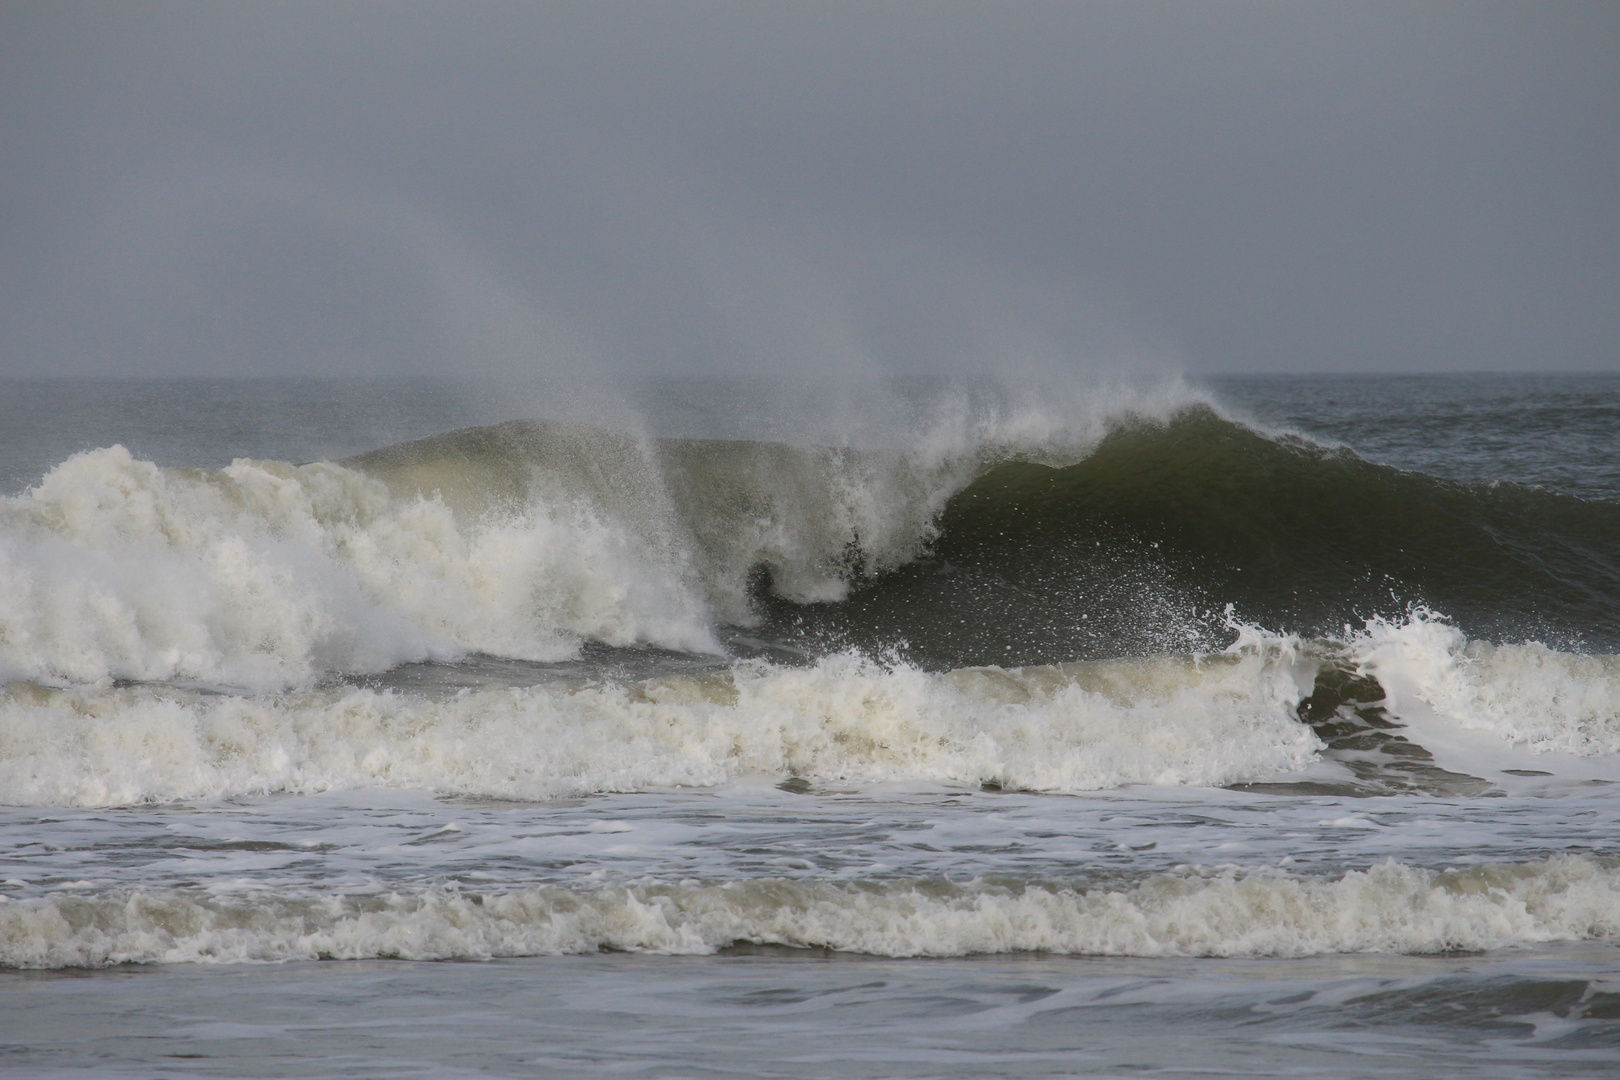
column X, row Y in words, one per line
column 530, row 541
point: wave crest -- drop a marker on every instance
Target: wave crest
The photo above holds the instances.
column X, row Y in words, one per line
column 1080, row 727
column 266, row 574
column 528, row 539
column 1387, row 908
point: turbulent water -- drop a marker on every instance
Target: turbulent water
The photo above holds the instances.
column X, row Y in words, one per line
column 1275, row 669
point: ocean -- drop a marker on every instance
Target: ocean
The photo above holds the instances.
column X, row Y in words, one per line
column 701, row 728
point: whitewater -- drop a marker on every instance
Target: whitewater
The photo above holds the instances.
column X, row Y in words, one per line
column 1227, row 675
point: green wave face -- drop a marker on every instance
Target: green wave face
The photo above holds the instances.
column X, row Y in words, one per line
column 1139, row 548
column 1133, row 546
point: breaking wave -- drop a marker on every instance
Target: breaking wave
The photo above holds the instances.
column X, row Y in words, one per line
column 1264, row 710
column 1010, row 603
column 1387, row 908
column 1005, row 545
column 1081, row 727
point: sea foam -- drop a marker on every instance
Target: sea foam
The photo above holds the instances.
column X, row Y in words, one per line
column 1223, row 719
column 521, row 540
column 1526, row 694
column 1071, row 728
column 265, row 575
column 1389, row 907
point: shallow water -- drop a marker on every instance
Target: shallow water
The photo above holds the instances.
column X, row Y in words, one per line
column 1547, row 1012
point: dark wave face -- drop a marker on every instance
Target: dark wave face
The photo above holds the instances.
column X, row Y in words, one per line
column 1140, row 546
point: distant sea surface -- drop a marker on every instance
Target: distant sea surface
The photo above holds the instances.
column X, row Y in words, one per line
column 1264, row 726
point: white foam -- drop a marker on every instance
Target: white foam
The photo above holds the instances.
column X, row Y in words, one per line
column 265, row 574
column 518, row 541
column 1529, row 695
column 1387, row 908
column 1078, row 727
column 1479, row 707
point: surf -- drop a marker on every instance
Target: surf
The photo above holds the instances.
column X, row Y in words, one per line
column 1407, row 708
column 1387, row 908
column 531, row 540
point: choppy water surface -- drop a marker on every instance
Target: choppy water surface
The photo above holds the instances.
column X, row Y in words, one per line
column 994, row 742
column 1552, row 1012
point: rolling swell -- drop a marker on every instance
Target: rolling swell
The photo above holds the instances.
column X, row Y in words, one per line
column 1141, row 545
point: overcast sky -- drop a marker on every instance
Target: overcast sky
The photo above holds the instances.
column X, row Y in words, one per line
column 274, row 188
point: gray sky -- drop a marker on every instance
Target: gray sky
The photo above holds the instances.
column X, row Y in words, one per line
column 371, row 188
